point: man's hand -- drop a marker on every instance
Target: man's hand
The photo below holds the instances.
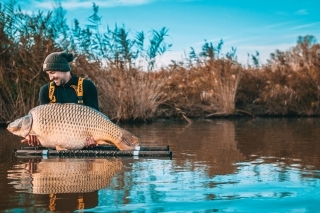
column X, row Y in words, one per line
column 32, row 140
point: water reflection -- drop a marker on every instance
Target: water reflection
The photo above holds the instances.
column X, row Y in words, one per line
column 206, row 144
column 51, row 176
column 284, row 139
column 64, row 180
column 243, row 165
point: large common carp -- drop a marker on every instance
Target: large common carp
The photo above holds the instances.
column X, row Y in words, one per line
column 67, row 126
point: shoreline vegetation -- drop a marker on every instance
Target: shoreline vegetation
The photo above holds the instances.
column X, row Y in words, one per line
column 122, row 64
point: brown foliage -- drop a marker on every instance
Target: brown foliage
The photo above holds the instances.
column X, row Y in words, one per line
column 124, row 95
column 288, row 84
column 203, row 90
column 206, row 84
column 22, row 51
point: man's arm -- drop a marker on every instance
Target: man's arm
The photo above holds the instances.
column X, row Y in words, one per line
column 90, row 94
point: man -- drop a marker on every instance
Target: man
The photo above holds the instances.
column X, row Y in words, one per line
column 64, row 87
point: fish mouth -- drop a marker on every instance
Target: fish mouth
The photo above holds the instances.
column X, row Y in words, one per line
column 15, row 125
column 21, row 126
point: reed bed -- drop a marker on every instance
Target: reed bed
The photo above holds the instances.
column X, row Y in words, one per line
column 206, row 84
column 124, row 95
column 206, row 89
column 287, row 85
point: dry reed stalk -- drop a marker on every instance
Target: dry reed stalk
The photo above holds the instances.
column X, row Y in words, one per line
column 205, row 89
column 228, row 79
column 134, row 96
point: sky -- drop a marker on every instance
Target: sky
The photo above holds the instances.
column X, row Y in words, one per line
column 247, row 25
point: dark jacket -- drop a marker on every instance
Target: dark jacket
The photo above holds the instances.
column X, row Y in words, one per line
column 66, row 94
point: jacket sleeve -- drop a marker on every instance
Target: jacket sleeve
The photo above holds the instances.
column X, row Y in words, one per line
column 44, row 94
column 90, row 94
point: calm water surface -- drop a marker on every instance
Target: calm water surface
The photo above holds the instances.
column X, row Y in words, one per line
column 244, row 165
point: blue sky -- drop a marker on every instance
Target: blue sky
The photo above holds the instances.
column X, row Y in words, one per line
column 247, row 25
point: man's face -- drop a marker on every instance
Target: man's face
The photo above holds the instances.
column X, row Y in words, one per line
column 59, row 78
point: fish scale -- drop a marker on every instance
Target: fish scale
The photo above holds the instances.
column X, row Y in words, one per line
column 69, row 125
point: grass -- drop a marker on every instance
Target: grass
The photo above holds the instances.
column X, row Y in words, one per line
column 204, row 85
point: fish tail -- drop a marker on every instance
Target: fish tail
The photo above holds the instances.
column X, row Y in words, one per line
column 128, row 141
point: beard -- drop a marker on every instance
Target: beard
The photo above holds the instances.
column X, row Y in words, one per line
column 59, row 81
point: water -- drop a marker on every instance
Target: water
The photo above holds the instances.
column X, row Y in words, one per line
column 243, row 165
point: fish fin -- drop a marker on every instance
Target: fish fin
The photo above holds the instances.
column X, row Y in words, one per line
column 59, row 148
column 101, row 142
column 128, row 141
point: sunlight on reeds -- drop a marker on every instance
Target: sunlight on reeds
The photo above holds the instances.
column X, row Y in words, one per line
column 124, row 95
column 204, row 84
column 228, row 75
column 287, row 85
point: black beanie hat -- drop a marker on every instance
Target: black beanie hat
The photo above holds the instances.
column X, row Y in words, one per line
column 58, row 61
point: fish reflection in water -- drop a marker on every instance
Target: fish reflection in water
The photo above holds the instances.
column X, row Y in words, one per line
column 62, row 182
column 66, row 175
